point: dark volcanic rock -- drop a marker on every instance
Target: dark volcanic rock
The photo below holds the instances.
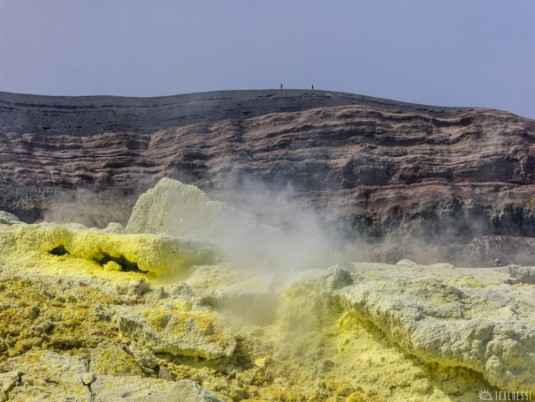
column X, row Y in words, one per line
column 388, row 168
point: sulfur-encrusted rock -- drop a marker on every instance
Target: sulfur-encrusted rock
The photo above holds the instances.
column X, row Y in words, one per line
column 484, row 326
column 88, row 378
column 334, row 278
column 78, row 249
column 110, row 359
column 179, row 209
column 8, row 381
column 116, row 389
column 194, row 334
column 7, row 219
column 185, row 210
column 47, row 375
column 115, row 227
column 521, row 274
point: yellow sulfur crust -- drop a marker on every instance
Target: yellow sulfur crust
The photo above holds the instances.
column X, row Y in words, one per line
column 82, row 250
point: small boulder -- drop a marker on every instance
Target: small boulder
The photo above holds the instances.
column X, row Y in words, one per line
column 110, row 359
column 8, row 219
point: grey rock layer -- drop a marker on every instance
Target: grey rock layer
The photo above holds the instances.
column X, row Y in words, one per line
column 387, row 168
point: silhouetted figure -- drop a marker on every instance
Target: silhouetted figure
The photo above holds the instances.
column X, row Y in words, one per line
column 281, row 86
column 312, row 86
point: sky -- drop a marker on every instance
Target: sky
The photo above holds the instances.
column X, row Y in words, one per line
column 448, row 53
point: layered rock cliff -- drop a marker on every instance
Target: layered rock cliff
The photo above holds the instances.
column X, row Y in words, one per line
column 457, row 176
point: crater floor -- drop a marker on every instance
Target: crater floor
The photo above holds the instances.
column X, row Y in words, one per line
column 107, row 314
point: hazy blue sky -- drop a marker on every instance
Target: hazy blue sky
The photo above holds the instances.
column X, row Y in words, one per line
column 454, row 52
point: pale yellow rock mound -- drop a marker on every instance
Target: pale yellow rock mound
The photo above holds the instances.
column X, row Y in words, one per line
column 79, row 249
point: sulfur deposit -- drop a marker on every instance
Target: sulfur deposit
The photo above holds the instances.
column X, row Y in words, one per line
column 160, row 310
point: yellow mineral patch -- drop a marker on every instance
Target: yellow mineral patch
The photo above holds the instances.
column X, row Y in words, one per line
column 80, row 250
column 261, row 361
column 110, row 359
column 468, row 281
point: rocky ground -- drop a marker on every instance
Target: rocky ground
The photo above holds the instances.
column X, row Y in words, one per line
column 161, row 309
column 460, row 181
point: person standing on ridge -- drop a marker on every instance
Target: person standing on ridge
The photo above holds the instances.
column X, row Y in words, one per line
column 312, row 86
column 281, row 86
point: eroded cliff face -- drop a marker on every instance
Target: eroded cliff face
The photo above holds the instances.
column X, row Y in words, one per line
column 388, row 169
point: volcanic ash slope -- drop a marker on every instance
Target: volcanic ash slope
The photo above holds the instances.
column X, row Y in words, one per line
column 161, row 310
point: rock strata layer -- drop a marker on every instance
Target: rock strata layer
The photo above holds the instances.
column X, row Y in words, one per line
column 388, row 169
